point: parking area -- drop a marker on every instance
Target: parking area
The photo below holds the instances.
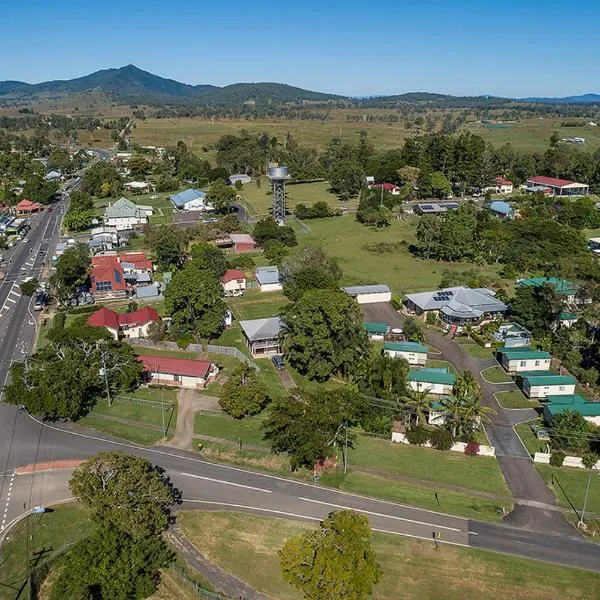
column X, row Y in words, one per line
column 382, row 312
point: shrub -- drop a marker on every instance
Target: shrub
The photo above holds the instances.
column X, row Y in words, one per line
column 589, row 460
column 380, row 424
column 83, row 310
column 240, row 261
column 472, row 448
column 184, row 342
column 417, row 435
column 441, row 439
column 397, row 303
column 60, row 319
column 431, row 318
column 557, row 459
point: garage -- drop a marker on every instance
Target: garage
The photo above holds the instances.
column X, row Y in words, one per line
column 369, row 294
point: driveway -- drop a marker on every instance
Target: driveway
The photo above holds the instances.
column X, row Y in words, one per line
column 286, row 379
column 189, row 402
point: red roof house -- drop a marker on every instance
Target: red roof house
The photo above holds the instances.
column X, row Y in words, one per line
column 26, row 207
column 234, row 282
column 130, row 325
column 242, row 242
column 108, row 278
column 179, row 372
column 139, row 260
column 386, row 187
column 559, row 187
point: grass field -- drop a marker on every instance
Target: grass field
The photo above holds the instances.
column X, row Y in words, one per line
column 515, row 399
column 137, row 435
column 528, row 437
column 496, row 375
column 223, row 426
column 569, row 486
column 247, row 545
column 255, row 304
column 474, row 350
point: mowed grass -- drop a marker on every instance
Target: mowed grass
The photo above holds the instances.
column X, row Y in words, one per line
column 248, row 430
column 515, row 399
column 496, row 375
column 528, row 437
column 137, row 435
column 474, row 350
column 49, row 532
column 569, row 485
column 255, row 304
column 247, row 546
column 369, row 255
column 477, row 473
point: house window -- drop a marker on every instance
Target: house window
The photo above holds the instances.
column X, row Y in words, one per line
column 561, row 388
column 176, row 377
column 523, row 363
column 537, row 363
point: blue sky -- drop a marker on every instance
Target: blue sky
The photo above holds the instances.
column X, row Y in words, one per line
column 513, row 48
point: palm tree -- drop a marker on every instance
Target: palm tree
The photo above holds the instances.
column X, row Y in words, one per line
column 467, row 414
column 466, row 385
column 418, row 401
column 453, row 410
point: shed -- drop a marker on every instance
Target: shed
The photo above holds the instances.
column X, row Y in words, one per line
column 368, row 294
column 376, row 331
column 268, row 279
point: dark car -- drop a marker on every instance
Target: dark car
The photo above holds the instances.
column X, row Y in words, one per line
column 278, row 362
column 49, row 209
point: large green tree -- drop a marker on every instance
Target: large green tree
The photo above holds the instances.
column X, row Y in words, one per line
column 336, row 561
column 209, row 257
column 221, row 196
column 569, row 431
column 167, row 245
column 268, row 229
column 72, row 271
column 323, row 334
column 244, row 393
column 535, row 308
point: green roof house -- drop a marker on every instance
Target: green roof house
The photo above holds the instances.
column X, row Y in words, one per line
column 556, row 405
column 563, row 287
column 376, row 331
column 515, row 360
column 413, row 352
column 540, row 384
column 124, row 214
column 437, row 381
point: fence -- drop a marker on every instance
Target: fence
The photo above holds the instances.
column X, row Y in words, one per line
column 483, row 450
column 172, row 346
column 200, row 589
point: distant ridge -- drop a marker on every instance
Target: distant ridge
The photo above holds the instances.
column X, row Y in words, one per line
column 583, row 99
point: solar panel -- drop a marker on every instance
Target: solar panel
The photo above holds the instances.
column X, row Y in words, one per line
column 426, row 207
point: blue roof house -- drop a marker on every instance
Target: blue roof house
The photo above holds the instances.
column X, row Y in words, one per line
column 190, row 199
column 502, row 209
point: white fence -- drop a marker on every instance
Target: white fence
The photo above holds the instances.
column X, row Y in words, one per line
column 456, row 447
column 570, row 461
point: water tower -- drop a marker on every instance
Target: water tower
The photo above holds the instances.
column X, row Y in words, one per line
column 278, row 175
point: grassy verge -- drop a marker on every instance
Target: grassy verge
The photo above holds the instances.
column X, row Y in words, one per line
column 496, row 375
column 247, row 545
column 224, row 427
column 130, row 406
column 137, row 435
column 474, row 350
column 529, row 438
column 515, row 399
column 569, row 486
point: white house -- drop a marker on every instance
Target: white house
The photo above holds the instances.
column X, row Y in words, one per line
column 239, row 177
column 541, row 385
column 268, row 279
column 515, row 360
column 368, row 294
column 437, row 381
column 501, row 186
column 124, row 214
column 556, row 405
column 178, row 372
column 262, row 336
column 191, row 199
column 413, row 352
column 233, row 282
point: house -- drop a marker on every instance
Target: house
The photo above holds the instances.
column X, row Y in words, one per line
column 27, row 207
column 52, row 176
column 390, row 188
column 262, row 336
column 105, row 239
column 437, row 381
column 566, row 319
column 125, row 325
column 540, row 384
column 178, row 372
column 368, row 294
column 137, row 186
column 376, row 331
column 457, row 306
column 413, row 352
column 107, row 277
column 512, row 335
column 268, row 279
column 242, row 242
column 524, row 359
column 239, row 177
column 64, row 245
column 558, row 187
column 434, row 208
column 190, row 199
column 124, row 214
column 502, row 209
column 503, row 186
column 556, row 405
column 563, row 287
column 233, row 282
column 138, row 261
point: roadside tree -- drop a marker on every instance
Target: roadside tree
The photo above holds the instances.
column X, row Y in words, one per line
column 244, row 393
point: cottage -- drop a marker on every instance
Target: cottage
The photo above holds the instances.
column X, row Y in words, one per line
column 376, row 331
column 125, row 325
column 458, row 306
column 516, row 360
column 124, row 214
column 390, row 188
column 233, row 282
column 262, row 336
column 178, row 372
column 242, row 242
column 191, row 199
column 556, row 405
column 540, row 384
column 268, row 279
column 563, row 287
column 566, row 319
column 558, row 187
column 513, row 335
column 368, row 294
column 413, row 352
column 503, row 186
column 436, row 381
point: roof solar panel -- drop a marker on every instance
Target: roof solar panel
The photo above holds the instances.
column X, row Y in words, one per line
column 426, row 207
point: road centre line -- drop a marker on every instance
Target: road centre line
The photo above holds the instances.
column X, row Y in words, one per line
column 247, row 487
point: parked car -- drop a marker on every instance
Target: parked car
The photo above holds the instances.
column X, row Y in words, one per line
column 278, row 362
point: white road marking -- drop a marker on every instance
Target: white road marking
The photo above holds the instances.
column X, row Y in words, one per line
column 5, row 513
column 376, row 514
column 247, row 487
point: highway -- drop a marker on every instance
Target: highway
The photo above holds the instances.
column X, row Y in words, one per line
column 206, row 485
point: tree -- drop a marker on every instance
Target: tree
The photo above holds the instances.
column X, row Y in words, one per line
column 72, row 271
column 413, row 330
column 125, row 492
column 346, row 179
column 569, row 431
column 309, row 425
column 209, row 257
column 336, row 561
column 428, row 236
column 78, row 220
column 167, row 244
column 28, row 288
column 193, row 299
column 275, row 251
column 37, row 189
column 535, row 308
column 309, row 268
column 323, row 334
column 466, row 385
column 110, row 564
column 465, row 415
column 268, row 229
column 384, row 377
column 102, row 179
column 418, row 402
column 221, row 196
column 244, row 393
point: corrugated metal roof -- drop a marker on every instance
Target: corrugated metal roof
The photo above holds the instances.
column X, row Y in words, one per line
column 405, row 347
column 267, row 275
column 376, row 327
column 367, row 289
column 432, row 376
column 261, row 329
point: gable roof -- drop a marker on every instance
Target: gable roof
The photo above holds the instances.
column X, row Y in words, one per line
column 405, row 347
column 388, row 187
column 524, row 353
column 232, row 275
column 459, row 301
column 138, row 259
column 547, row 378
column 501, row 181
column 108, row 318
column 187, row 196
column 572, row 402
column 261, row 329
column 428, row 375
column 241, row 238
column 366, row 289
column 27, row 205
column 267, row 275
column 175, row 366
column 376, row 327
column 124, row 208
column 562, row 286
column 104, row 318
column 553, row 181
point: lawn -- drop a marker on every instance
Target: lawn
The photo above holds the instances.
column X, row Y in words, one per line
column 515, row 399
column 477, row 473
column 455, row 503
column 496, row 375
column 474, row 350
column 255, row 304
column 441, row 364
column 225, row 427
column 233, row 336
column 137, row 435
column 49, row 532
column 247, row 545
column 569, row 486
column 528, row 437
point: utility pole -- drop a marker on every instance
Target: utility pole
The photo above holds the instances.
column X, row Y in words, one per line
column 105, row 373
column 345, row 447
column 162, row 404
column 587, row 491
